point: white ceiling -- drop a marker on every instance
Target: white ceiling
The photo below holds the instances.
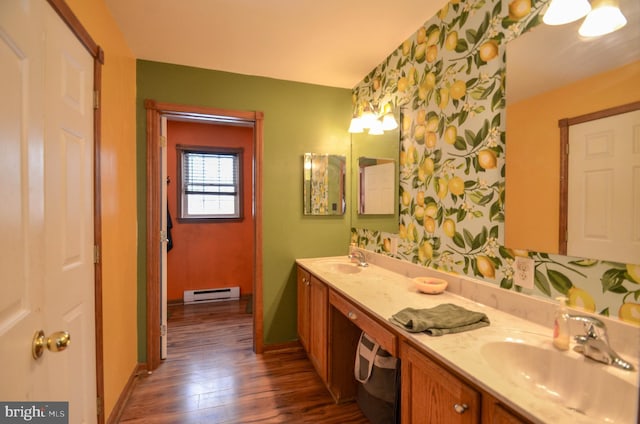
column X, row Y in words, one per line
column 327, row 42
column 337, row 42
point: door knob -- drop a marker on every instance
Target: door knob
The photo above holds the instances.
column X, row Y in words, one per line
column 56, row 342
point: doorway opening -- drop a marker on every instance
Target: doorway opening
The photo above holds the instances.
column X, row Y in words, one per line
column 156, row 140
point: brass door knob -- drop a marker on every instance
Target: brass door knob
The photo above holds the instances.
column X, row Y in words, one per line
column 56, row 342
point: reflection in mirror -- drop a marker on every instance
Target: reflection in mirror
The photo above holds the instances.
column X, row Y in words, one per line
column 324, row 184
column 376, row 186
column 364, row 146
column 553, row 74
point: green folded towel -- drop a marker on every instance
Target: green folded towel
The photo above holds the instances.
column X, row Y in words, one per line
column 442, row 319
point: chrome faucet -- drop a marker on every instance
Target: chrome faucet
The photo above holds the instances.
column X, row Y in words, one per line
column 359, row 257
column 594, row 343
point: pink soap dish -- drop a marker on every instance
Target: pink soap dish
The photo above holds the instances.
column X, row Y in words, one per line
column 430, row 285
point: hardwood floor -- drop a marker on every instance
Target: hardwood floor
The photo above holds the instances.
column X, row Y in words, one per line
column 212, row 376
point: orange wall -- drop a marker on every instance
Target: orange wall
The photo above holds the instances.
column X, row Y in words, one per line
column 210, row 255
column 533, row 152
column 118, row 176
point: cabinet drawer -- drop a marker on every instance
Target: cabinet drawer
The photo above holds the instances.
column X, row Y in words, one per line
column 384, row 337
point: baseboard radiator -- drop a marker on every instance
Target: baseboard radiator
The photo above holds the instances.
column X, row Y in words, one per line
column 211, row 295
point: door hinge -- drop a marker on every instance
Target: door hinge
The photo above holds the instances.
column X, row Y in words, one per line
column 163, row 141
column 96, row 99
column 99, row 406
column 96, row 254
column 163, row 330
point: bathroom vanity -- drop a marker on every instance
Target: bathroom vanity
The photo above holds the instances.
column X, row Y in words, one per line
column 488, row 375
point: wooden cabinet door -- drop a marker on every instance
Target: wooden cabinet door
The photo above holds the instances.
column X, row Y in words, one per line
column 432, row 395
column 304, row 283
column 318, row 307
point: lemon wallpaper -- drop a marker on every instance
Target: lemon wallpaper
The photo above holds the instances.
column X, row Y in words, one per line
column 448, row 81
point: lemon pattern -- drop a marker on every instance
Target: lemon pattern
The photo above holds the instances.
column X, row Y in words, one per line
column 447, row 80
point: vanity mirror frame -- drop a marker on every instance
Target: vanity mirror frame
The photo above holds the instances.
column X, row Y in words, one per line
column 333, row 170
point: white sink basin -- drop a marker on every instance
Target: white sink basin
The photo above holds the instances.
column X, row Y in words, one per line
column 341, row 267
column 577, row 383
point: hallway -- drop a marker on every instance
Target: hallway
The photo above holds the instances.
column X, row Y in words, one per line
column 212, row 376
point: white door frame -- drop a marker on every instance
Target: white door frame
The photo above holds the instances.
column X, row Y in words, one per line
column 155, row 110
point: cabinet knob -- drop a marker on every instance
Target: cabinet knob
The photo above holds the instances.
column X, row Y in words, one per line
column 352, row 315
column 460, row 408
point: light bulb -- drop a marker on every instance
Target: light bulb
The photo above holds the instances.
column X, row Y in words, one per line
column 605, row 18
column 562, row 12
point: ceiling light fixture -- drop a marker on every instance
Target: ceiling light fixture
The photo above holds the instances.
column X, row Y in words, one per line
column 562, row 12
column 604, row 18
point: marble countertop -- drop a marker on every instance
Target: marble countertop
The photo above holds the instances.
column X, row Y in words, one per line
column 383, row 292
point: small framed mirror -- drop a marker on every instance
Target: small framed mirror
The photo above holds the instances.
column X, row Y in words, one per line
column 324, row 184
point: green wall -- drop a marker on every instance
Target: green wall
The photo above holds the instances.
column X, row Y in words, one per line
column 298, row 118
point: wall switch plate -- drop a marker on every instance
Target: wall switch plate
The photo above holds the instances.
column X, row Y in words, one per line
column 523, row 270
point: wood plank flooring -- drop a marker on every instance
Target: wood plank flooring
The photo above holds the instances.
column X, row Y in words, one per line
column 212, row 376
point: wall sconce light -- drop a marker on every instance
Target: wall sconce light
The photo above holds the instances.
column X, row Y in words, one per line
column 369, row 118
column 602, row 18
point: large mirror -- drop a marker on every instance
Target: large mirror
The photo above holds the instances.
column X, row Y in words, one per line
column 324, row 184
column 373, row 207
column 553, row 74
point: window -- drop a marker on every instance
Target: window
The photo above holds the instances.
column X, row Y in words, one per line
column 210, row 186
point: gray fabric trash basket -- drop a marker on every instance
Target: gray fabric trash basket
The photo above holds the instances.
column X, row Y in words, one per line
column 378, row 376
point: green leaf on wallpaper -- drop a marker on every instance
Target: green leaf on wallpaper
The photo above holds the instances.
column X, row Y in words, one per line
column 468, row 237
column 493, row 232
column 541, row 283
column 532, row 23
column 495, row 122
column 461, row 214
column 619, row 289
column 585, row 262
column 460, row 144
column 495, row 212
column 605, row 312
column 504, row 252
column 462, row 46
column 481, row 238
column 497, row 9
column 472, row 36
column 612, row 279
column 497, row 101
column 559, row 281
column 485, row 25
column 467, row 262
column 469, row 136
column 506, row 283
column 544, row 255
column 458, row 240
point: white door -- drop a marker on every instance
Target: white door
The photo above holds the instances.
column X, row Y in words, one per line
column 604, row 189
column 163, row 238
column 46, row 215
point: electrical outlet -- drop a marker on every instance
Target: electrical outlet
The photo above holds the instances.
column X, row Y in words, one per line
column 523, row 270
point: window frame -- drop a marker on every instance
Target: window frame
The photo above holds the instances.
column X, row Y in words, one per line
column 182, row 217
